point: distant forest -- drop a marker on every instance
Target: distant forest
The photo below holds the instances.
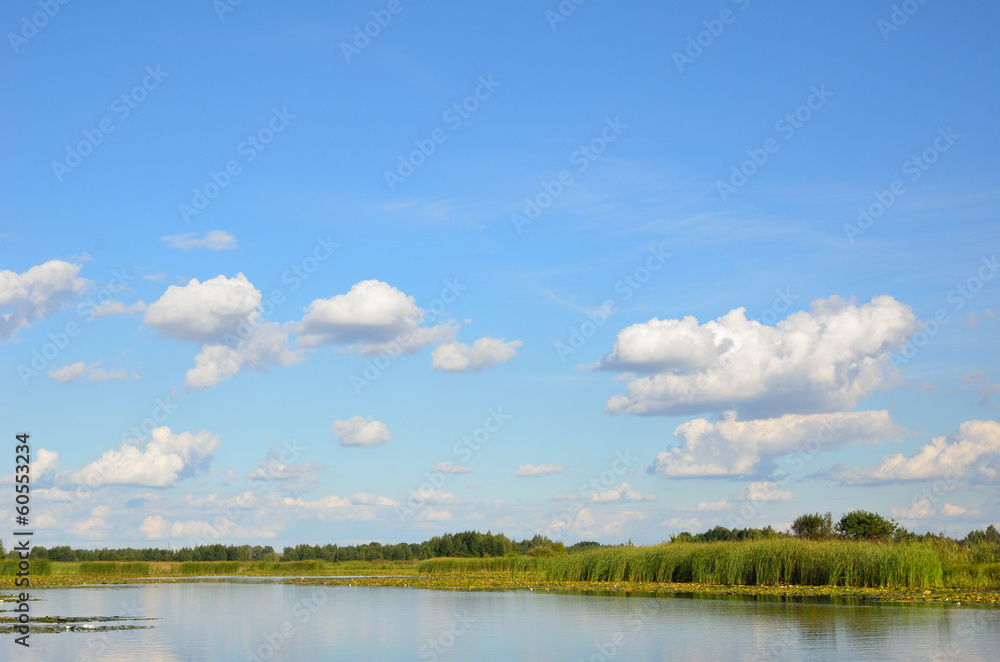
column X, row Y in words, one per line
column 465, row 544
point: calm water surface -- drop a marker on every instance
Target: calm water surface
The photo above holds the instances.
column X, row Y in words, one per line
column 218, row 622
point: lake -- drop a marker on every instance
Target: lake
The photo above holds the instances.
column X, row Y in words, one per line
column 262, row 620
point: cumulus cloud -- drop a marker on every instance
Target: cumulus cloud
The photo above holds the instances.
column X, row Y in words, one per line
column 359, row 432
column 215, row 240
column 973, row 449
column 266, row 346
column 371, row 312
column 822, row 360
column 91, row 373
column 36, row 294
column 621, row 494
column 538, row 469
column 204, row 312
column 732, row 447
column 167, row 457
column 484, row 353
column 449, row 468
column 222, row 314
column 434, row 497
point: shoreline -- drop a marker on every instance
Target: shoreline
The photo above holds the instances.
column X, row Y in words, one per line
column 988, row 598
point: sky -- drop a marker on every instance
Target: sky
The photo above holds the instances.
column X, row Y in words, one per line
column 341, row 272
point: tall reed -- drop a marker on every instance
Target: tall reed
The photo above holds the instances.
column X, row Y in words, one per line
column 759, row 562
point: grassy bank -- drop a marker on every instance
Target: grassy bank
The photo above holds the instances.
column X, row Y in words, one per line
column 751, row 563
column 128, row 569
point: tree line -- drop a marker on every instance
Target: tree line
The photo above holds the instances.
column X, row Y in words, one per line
column 855, row 525
column 464, row 544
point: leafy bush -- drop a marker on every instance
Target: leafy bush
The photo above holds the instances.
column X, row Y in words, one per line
column 863, row 525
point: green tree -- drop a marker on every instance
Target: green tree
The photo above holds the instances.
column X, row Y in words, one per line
column 863, row 525
column 813, row 526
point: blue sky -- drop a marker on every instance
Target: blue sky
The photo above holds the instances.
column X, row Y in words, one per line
column 696, row 327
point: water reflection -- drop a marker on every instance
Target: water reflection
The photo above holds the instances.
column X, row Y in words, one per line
column 266, row 621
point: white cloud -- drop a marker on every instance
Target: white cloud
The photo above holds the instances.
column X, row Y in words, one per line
column 365, row 499
column 204, row 312
column 221, row 313
column 764, row 492
column 620, row 494
column 372, row 311
column 449, row 468
column 78, row 370
column 974, row 446
column 708, row 506
column 951, row 510
column 817, row 361
column 435, row 515
column 155, row 527
column 731, row 447
column 36, row 294
column 484, row 353
column 160, row 463
column 266, row 346
column 682, row 523
column 755, row 492
column 292, row 476
column 359, row 432
column 215, row 240
column 921, row 509
column 538, row 469
column 974, row 319
column 434, row 497
column 45, row 462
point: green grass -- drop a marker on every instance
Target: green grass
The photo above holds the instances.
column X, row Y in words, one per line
column 760, row 562
column 132, row 569
column 9, row 567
